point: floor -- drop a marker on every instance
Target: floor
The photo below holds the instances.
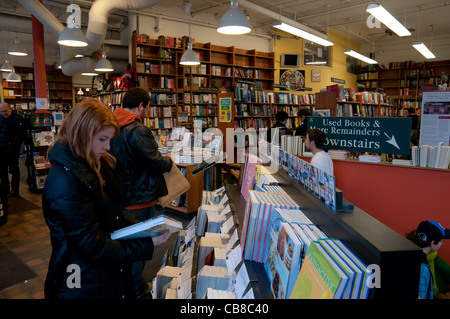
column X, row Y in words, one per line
column 27, row 235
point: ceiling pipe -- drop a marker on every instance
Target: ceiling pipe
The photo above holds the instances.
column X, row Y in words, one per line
column 276, row 16
column 96, row 31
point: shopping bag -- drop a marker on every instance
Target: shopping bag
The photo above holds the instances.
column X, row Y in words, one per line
column 176, row 183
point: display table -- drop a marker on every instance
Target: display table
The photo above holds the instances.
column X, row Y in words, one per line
column 397, row 259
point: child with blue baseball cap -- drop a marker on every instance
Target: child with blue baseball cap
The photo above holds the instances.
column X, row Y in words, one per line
column 429, row 236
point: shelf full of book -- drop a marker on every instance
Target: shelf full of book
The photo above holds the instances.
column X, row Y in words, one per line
column 404, row 81
column 196, row 88
column 366, row 104
column 40, row 135
column 23, row 94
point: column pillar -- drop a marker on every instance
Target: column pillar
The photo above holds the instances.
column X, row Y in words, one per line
column 40, row 79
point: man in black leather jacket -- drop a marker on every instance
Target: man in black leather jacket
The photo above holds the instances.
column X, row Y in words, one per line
column 12, row 134
column 140, row 165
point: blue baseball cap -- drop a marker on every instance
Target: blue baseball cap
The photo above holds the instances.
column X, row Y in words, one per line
column 430, row 230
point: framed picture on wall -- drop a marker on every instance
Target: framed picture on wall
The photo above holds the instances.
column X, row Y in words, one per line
column 315, row 75
column 293, row 80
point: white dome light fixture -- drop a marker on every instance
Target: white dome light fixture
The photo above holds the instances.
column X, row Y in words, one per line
column 103, row 65
column 189, row 57
column 234, row 22
column 13, row 77
column 72, row 37
column 17, row 49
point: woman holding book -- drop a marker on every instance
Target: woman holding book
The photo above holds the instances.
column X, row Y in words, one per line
column 80, row 213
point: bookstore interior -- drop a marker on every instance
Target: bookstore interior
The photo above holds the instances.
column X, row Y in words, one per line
column 254, row 219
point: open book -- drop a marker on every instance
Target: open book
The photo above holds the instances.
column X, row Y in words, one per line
column 148, row 228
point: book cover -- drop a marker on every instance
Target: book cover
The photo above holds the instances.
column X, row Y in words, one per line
column 148, row 228
column 319, row 277
column 361, row 292
column 347, row 291
column 248, row 181
column 283, row 262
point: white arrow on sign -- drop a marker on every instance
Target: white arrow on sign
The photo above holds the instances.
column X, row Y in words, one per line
column 391, row 140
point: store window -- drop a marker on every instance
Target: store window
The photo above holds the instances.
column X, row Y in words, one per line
column 352, row 64
column 315, row 54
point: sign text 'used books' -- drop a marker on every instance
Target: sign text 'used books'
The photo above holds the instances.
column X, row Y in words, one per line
column 365, row 134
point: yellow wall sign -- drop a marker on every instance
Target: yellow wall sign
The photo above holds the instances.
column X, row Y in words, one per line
column 225, row 109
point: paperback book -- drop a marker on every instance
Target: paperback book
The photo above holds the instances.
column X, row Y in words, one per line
column 283, row 262
column 320, row 277
column 148, row 228
column 259, row 208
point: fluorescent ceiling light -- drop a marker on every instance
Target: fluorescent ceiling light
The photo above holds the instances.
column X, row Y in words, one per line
column 233, row 21
column 387, row 19
column 316, row 62
column 17, row 49
column 303, row 34
column 189, row 57
column 89, row 73
column 13, row 77
column 72, row 37
column 103, row 65
column 422, row 48
column 360, row 56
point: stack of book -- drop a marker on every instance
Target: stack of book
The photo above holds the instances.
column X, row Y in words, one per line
column 290, row 233
column 431, row 156
column 331, row 271
column 338, row 154
column 370, row 158
column 258, row 215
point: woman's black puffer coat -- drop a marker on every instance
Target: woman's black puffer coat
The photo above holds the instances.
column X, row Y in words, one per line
column 80, row 220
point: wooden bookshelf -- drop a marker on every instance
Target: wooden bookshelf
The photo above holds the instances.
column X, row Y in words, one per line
column 403, row 81
column 59, row 89
column 221, row 68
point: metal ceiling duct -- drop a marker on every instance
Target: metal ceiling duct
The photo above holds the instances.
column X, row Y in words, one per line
column 96, row 31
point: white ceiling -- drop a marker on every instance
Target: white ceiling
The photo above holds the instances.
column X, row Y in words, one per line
column 428, row 21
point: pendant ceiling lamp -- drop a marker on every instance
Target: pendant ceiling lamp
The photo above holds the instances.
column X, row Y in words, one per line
column 189, row 57
column 72, row 37
column 233, row 21
column 13, row 77
column 6, row 66
column 103, row 65
column 17, row 49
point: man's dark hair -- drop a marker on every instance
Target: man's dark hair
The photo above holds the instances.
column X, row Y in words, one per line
column 281, row 116
column 134, row 96
column 304, row 111
column 318, row 136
